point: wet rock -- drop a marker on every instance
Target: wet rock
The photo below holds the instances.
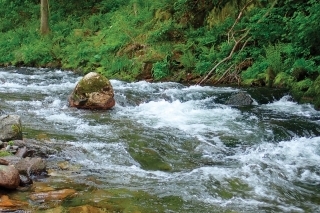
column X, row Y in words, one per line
column 58, row 209
column 19, row 143
column 93, row 91
column 10, row 127
column 3, row 162
column 11, row 149
column 85, row 209
column 11, row 159
column 22, row 152
column 240, row 99
column 9, row 177
column 58, row 195
column 63, row 165
column 31, row 166
column 25, row 180
column 38, row 187
column 265, row 95
column 36, row 148
column 7, row 204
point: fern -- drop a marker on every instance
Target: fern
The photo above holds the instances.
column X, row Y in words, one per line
column 273, row 57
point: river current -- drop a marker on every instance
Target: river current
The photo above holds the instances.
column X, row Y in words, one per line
column 179, row 144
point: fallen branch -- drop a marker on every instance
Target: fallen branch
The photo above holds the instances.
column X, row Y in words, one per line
column 225, row 59
column 237, row 20
column 237, row 42
column 224, row 74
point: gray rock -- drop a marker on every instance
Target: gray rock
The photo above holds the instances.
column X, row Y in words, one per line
column 39, row 149
column 25, row 180
column 19, row 143
column 10, row 127
column 11, row 159
column 239, row 99
column 31, row 166
column 9, row 177
column 22, row 152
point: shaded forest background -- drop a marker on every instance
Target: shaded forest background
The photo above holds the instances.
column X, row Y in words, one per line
column 244, row 42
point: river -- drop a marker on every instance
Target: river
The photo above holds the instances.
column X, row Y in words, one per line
column 168, row 147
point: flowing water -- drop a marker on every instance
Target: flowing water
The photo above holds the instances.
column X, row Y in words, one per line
column 167, row 147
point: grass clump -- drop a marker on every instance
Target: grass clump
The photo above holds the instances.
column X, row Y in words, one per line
column 5, row 153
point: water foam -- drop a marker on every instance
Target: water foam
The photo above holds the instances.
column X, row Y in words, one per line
column 286, row 105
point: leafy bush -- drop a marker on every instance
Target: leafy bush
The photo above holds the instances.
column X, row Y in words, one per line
column 256, row 69
column 188, row 60
column 284, row 80
column 160, row 69
column 39, row 54
column 273, row 57
column 304, row 64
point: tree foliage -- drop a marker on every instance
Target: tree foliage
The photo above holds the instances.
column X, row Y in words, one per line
column 184, row 40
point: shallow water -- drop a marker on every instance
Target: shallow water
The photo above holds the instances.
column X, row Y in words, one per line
column 174, row 148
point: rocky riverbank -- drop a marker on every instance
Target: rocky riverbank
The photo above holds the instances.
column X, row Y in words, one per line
column 33, row 180
column 26, row 177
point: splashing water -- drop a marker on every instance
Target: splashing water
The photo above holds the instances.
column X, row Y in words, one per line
column 168, row 139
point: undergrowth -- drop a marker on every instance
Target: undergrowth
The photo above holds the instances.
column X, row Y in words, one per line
column 179, row 38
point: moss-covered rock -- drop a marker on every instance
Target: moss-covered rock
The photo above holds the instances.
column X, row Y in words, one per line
column 147, row 157
column 94, row 91
column 315, row 93
column 307, row 91
column 10, row 127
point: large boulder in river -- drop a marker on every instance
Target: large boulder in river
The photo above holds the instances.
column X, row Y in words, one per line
column 93, row 91
column 240, row 99
column 9, row 177
column 10, row 127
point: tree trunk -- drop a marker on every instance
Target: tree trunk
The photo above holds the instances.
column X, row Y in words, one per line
column 44, row 25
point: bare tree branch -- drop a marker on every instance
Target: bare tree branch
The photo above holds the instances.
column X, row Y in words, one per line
column 237, row 42
column 237, row 20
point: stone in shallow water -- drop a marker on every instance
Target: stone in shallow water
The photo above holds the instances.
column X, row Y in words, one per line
column 41, row 187
column 25, row 180
column 58, row 195
column 7, row 204
column 10, row 127
column 3, row 162
column 93, row 91
column 85, row 209
column 240, row 99
column 9, row 177
column 31, row 166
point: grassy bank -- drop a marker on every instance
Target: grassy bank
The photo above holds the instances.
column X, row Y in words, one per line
column 254, row 43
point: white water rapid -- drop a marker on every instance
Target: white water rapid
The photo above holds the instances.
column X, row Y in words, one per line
column 214, row 157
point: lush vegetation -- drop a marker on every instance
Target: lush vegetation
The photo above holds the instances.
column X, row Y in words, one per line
column 249, row 42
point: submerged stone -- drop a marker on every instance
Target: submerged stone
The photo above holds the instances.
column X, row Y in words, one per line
column 149, row 159
column 58, row 195
column 8, row 204
column 85, row 208
column 93, row 91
